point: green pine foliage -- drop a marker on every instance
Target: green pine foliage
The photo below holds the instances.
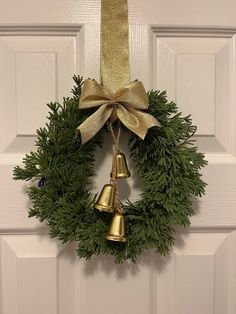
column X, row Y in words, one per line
column 167, row 162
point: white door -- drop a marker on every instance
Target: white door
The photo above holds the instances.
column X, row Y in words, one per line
column 186, row 47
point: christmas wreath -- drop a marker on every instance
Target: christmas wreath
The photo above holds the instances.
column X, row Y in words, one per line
column 167, row 163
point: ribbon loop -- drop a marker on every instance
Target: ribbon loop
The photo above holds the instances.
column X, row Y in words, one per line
column 126, row 104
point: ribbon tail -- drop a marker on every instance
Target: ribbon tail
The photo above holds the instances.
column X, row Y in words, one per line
column 137, row 121
column 93, row 124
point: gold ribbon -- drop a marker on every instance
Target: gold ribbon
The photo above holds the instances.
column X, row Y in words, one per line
column 125, row 104
column 114, row 44
column 116, row 98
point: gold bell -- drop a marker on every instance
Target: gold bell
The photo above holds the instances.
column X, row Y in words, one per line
column 122, row 170
column 106, row 199
column 117, row 229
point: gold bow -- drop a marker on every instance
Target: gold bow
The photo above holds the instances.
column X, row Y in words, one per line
column 126, row 104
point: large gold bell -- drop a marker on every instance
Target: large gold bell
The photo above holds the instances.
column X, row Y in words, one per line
column 106, row 199
column 117, row 229
column 122, row 170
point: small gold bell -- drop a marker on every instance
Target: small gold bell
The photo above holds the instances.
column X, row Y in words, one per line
column 117, row 229
column 106, row 199
column 122, row 170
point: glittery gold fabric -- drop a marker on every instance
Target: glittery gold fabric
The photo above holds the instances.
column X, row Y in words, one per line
column 126, row 104
column 114, row 44
column 115, row 97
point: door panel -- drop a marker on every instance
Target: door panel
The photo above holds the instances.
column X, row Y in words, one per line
column 181, row 47
column 37, row 275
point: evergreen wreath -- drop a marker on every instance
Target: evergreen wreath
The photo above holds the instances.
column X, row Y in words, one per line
column 167, row 162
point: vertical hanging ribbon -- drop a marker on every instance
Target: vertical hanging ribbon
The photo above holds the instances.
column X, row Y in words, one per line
column 114, row 44
column 113, row 181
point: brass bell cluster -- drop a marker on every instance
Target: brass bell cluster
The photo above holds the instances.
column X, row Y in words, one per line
column 108, row 200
